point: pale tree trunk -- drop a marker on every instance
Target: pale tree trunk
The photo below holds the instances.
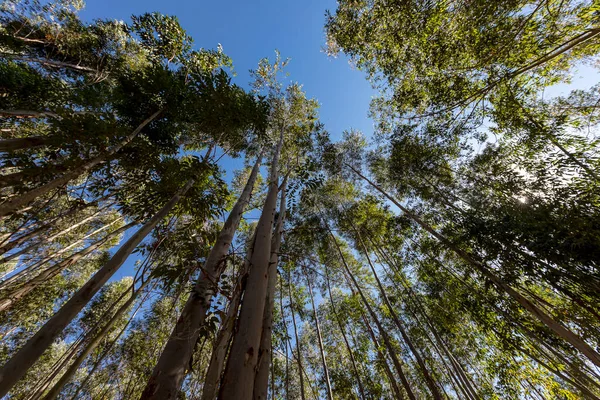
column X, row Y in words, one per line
column 391, row 378
column 361, row 388
column 18, row 293
column 299, row 357
column 238, row 379
column 104, row 354
column 555, row 326
column 47, row 224
column 16, row 367
column 319, row 338
column 459, row 377
column 22, row 200
column 93, row 341
column 33, row 267
column 73, row 245
column 222, row 341
column 386, row 367
column 261, row 381
column 382, row 331
column 169, row 372
column 285, row 341
column 426, row 374
column 38, row 390
column 31, row 234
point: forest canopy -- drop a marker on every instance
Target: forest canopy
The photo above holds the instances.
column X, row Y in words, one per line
column 168, row 232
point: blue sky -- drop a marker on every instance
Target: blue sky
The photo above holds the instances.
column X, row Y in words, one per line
column 251, row 30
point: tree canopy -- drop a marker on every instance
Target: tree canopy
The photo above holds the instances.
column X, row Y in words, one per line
column 453, row 254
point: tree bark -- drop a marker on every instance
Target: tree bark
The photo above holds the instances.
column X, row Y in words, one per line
column 319, row 339
column 22, row 200
column 167, row 376
column 261, row 381
column 32, row 267
column 11, row 245
column 285, row 341
column 238, row 380
column 16, row 367
column 222, row 342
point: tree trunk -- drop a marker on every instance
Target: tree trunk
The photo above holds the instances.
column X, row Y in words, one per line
column 361, row 388
column 299, row 358
column 167, row 376
column 18, row 293
column 538, row 313
column 382, row 331
column 238, row 380
column 22, row 360
column 93, row 342
column 319, row 338
column 391, row 378
column 22, row 200
column 261, row 381
column 33, row 267
column 426, row 374
column 222, row 341
column 285, row 341
column 11, row 245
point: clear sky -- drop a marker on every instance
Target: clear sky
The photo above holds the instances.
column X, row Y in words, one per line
column 251, row 30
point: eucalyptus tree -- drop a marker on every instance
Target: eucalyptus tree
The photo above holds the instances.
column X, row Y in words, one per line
column 291, row 123
column 434, row 57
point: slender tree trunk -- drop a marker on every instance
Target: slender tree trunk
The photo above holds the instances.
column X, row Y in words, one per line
column 426, row 374
column 167, row 376
column 104, row 354
column 20, row 292
column 261, row 380
column 16, row 367
column 14, row 243
column 391, row 378
column 319, row 338
column 223, row 339
column 285, row 341
column 361, row 388
column 299, row 357
column 22, row 200
column 47, row 224
column 555, row 326
column 35, row 266
column 238, row 380
column 93, row 340
column 382, row 331
column 460, row 375
column 28, row 114
column 222, row 342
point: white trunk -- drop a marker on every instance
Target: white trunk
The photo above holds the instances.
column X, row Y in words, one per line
column 170, row 369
